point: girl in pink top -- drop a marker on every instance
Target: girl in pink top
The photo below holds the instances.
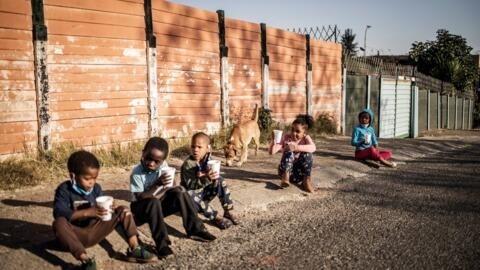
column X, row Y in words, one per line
column 297, row 158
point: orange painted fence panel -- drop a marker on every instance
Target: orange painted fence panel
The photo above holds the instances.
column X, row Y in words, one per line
column 97, row 70
column 188, row 69
column 18, row 116
column 287, row 70
column 326, row 79
column 99, row 66
column 245, row 70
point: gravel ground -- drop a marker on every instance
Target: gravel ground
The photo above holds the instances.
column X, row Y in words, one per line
column 423, row 215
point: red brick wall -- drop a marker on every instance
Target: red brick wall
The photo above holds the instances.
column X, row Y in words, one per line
column 18, row 116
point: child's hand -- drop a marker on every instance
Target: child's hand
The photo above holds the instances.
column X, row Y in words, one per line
column 100, row 211
column 164, row 179
column 212, row 175
column 290, row 147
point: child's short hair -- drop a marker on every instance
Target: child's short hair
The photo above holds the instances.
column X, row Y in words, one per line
column 304, row 120
column 79, row 161
column 157, row 143
column 201, row 135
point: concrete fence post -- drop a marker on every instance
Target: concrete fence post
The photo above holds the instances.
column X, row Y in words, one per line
column 265, row 66
column 224, row 78
column 308, row 78
column 152, row 83
column 42, row 88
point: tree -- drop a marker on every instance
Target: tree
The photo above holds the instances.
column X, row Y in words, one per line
column 349, row 46
column 448, row 59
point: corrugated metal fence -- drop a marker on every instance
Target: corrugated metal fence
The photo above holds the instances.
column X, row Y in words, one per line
column 406, row 103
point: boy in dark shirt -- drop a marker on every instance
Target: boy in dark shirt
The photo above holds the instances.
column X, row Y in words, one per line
column 78, row 220
column 204, row 184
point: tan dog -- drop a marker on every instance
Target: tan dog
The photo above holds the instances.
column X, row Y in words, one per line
column 240, row 137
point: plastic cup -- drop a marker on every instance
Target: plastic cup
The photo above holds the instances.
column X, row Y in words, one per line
column 171, row 172
column 277, row 135
column 368, row 137
column 106, row 203
column 214, row 165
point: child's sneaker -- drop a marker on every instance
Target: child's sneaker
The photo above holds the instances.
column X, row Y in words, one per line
column 140, row 254
column 89, row 264
column 202, row 236
column 164, row 252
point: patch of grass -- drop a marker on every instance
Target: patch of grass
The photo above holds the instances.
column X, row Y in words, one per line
column 218, row 140
column 36, row 167
column 179, row 147
column 325, row 124
column 119, row 155
column 20, row 173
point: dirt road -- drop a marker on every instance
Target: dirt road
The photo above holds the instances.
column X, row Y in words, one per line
column 26, row 215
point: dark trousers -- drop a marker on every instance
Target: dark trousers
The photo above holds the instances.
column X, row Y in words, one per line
column 153, row 211
column 77, row 239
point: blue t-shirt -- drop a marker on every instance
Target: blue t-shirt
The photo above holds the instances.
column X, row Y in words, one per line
column 142, row 179
column 358, row 137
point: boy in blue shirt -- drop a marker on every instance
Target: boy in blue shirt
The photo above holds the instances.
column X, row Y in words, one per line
column 149, row 207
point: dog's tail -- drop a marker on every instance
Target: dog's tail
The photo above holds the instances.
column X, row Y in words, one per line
column 256, row 113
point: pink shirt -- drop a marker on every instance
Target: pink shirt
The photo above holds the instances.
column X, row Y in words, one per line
column 305, row 144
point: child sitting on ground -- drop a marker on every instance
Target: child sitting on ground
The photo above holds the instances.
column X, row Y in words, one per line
column 148, row 177
column 297, row 158
column 365, row 141
column 204, row 184
column 78, row 222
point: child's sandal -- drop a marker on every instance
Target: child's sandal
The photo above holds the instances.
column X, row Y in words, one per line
column 222, row 223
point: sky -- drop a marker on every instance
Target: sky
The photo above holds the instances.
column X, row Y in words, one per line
column 395, row 24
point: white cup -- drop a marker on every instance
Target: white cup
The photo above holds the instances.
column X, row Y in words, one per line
column 368, row 137
column 171, row 172
column 214, row 165
column 106, row 203
column 277, row 135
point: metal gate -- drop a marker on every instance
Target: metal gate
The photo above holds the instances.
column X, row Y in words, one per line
column 395, row 108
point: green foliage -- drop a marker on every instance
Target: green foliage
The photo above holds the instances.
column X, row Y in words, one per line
column 349, row 46
column 448, row 59
column 325, row 124
column 266, row 124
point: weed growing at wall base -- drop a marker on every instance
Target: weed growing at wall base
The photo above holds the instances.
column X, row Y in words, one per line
column 325, row 124
column 37, row 167
column 19, row 173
